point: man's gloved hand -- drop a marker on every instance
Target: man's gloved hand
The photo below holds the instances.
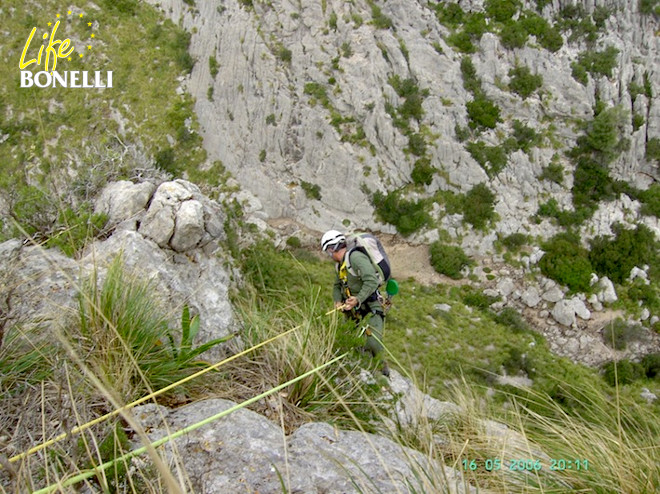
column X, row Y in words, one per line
column 351, row 302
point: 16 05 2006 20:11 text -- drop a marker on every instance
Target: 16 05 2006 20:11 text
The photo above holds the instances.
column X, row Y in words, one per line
column 525, row 464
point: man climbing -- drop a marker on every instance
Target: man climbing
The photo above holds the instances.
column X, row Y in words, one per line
column 355, row 291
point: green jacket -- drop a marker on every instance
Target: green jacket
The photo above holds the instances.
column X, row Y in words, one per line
column 361, row 280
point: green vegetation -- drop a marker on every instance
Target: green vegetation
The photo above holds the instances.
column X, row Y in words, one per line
column 213, row 66
column 622, row 372
column 515, row 241
column 483, row 113
column 448, row 259
column 468, row 27
column 648, row 7
column 554, row 172
column 596, row 63
column 618, row 333
column 123, row 333
column 501, row 10
column 493, row 159
column 513, row 35
column 479, row 206
column 312, row 191
column 653, row 149
column 408, row 216
column 318, row 93
column 523, row 82
column 574, row 20
column 615, row 257
column 548, row 36
column 650, row 199
column 413, row 99
column 567, row 262
column 560, row 415
column 423, row 172
column 601, row 143
column 283, row 53
column 378, row 19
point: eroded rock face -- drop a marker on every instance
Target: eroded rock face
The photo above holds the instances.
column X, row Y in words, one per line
column 271, row 120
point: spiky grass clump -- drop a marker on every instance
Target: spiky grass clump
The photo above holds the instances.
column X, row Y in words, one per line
column 122, row 334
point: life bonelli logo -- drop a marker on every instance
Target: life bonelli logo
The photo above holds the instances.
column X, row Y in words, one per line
column 38, row 62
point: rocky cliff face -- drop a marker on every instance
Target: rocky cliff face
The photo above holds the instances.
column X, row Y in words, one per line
column 296, row 98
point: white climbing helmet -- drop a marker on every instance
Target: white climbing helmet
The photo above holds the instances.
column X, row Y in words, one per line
column 332, row 238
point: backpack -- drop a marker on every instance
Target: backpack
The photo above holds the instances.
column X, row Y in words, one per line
column 371, row 246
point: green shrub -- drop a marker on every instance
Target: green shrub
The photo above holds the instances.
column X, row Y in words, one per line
column 651, row 365
column 318, row 93
column 493, row 159
column 293, row 242
column 523, row 82
column 650, row 199
column 471, row 81
column 462, row 41
column 475, row 25
column 615, row 257
column 567, row 262
column 554, row 172
column 599, row 62
column 346, row 50
column 407, row 216
column 483, row 113
column 576, row 21
column 646, row 295
column 525, row 137
column 653, row 149
column 479, row 206
column 124, row 6
column 548, row 36
column 378, row 19
column 618, row 333
column 474, row 297
column 591, row 183
column 413, row 97
column 332, row 22
column 513, row 35
column 501, row 10
column 423, row 172
column 213, row 66
column 283, row 53
column 579, row 73
column 448, row 259
column 515, row 241
column 450, row 14
column 312, row 191
column 512, row 319
column 648, row 7
column 604, row 134
column 416, row 144
column 165, row 160
column 622, row 372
